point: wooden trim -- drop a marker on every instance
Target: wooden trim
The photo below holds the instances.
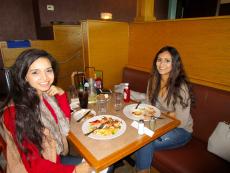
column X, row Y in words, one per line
column 99, row 165
column 203, row 44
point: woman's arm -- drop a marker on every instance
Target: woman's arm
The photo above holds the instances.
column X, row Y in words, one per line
column 36, row 163
column 183, row 113
column 61, row 99
column 64, row 104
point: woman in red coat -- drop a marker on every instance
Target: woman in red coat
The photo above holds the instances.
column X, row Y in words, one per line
column 38, row 118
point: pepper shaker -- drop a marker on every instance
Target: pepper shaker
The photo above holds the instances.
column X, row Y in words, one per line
column 141, row 127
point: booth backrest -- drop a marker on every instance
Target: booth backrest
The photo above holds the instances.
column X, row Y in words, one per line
column 137, row 80
column 211, row 105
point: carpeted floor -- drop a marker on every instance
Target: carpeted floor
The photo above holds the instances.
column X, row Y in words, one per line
column 126, row 168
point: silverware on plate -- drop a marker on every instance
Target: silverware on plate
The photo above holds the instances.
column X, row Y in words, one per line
column 100, row 127
column 138, row 104
column 84, row 116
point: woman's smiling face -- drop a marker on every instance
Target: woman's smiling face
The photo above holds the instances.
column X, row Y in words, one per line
column 164, row 63
column 40, row 75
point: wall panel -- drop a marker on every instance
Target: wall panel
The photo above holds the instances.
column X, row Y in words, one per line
column 107, row 48
column 203, row 43
column 66, row 48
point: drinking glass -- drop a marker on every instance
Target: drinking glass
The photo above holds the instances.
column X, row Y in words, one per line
column 118, row 98
column 102, row 105
column 83, row 99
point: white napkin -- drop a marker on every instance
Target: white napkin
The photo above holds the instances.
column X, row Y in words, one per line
column 74, row 103
column 147, row 131
column 137, row 96
column 78, row 114
column 103, row 171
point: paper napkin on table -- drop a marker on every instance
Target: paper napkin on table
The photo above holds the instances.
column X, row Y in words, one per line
column 103, row 171
column 147, row 131
column 137, row 96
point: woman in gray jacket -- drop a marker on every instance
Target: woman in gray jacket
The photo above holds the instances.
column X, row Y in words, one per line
column 169, row 90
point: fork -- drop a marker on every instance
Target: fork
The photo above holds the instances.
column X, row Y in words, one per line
column 100, row 127
column 138, row 104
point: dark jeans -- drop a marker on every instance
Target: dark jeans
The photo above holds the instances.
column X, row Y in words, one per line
column 74, row 160
column 71, row 160
column 173, row 139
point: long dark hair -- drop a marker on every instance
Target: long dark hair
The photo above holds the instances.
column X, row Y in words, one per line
column 28, row 122
column 177, row 78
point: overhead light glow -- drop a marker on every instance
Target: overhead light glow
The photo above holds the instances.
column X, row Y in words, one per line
column 106, row 16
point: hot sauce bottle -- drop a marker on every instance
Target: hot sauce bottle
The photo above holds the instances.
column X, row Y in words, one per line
column 126, row 93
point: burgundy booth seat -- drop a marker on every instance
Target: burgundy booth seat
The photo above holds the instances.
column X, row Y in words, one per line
column 212, row 106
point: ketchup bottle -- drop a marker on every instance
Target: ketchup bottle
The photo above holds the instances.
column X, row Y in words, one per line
column 98, row 81
column 126, row 93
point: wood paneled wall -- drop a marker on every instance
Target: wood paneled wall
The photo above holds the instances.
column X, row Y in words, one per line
column 203, row 44
column 66, row 48
column 106, row 48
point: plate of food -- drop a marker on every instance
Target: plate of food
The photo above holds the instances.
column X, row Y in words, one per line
column 144, row 111
column 112, row 127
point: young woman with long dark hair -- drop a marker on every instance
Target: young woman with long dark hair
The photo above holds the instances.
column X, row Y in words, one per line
column 38, row 117
column 170, row 91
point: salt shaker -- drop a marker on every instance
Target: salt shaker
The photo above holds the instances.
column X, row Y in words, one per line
column 152, row 123
column 141, row 127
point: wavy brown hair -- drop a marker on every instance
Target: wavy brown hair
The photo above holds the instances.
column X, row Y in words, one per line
column 177, row 78
column 26, row 100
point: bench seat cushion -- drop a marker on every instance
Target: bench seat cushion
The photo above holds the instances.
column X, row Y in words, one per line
column 192, row 158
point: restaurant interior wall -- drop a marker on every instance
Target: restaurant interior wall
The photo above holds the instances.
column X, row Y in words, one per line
column 66, row 48
column 203, row 44
column 16, row 20
column 29, row 19
column 105, row 45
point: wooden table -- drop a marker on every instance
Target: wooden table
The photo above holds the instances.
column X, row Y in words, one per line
column 103, row 153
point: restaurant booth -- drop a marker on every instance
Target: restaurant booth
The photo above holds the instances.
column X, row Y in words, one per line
column 125, row 50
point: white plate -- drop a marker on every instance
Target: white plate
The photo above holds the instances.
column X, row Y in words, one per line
column 85, row 127
column 77, row 115
column 129, row 109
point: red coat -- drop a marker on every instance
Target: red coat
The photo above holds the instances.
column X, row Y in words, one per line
column 37, row 163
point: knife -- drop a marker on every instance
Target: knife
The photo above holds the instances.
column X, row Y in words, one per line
column 84, row 116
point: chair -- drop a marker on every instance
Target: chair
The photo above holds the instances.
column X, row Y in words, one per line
column 6, row 87
column 2, row 153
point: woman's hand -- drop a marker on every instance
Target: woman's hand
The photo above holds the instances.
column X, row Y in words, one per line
column 171, row 114
column 83, row 167
column 55, row 90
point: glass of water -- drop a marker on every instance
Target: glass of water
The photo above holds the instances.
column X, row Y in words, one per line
column 118, row 98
